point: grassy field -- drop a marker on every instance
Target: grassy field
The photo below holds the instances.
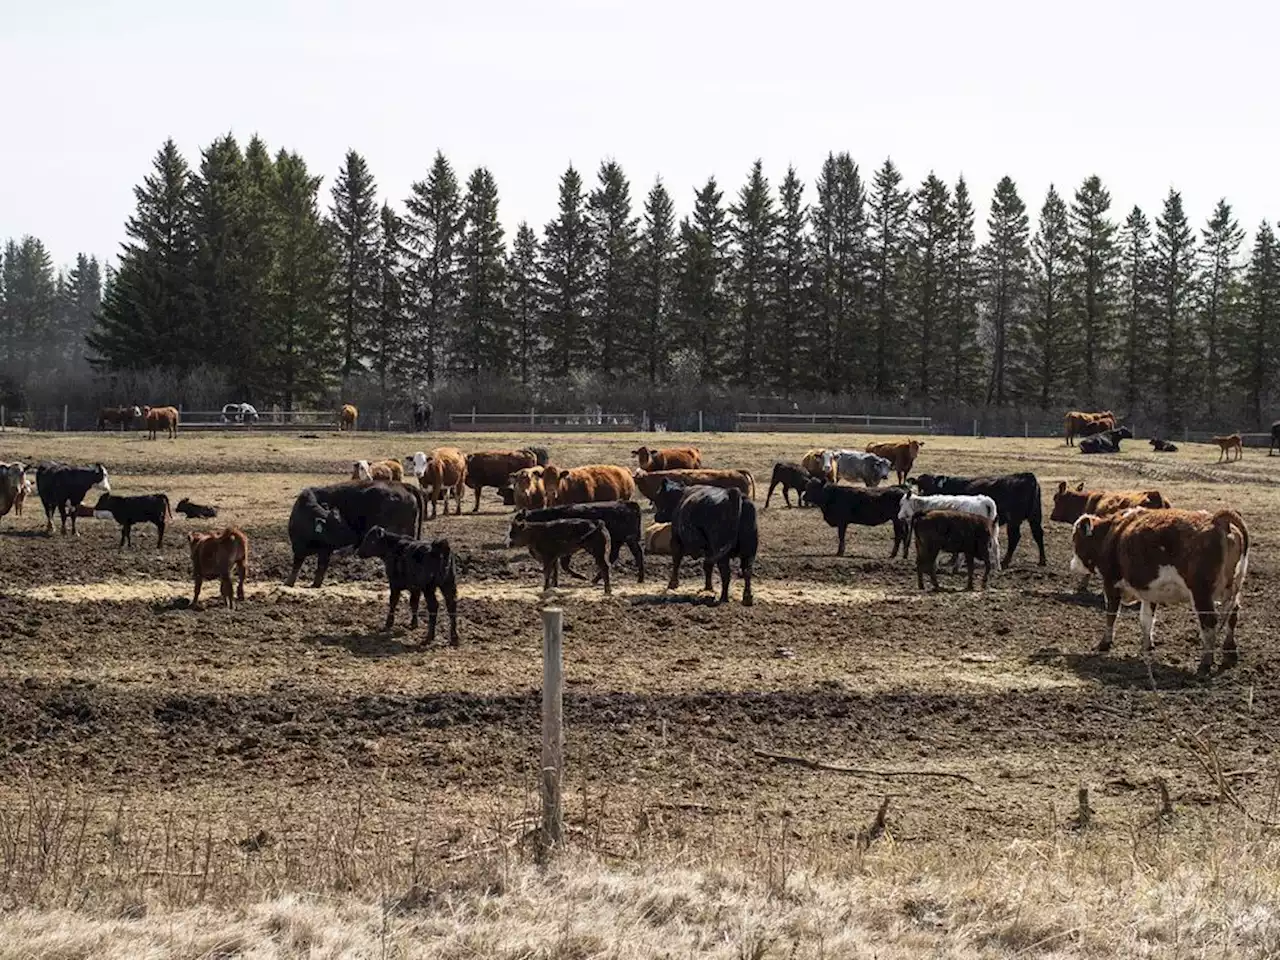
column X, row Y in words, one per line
column 287, row 776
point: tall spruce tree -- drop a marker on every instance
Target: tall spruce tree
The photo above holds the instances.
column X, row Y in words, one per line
column 1218, row 275
column 482, row 341
column 613, row 271
column 889, row 208
column 256, row 269
column 524, row 301
column 566, row 282
column 217, row 226
column 790, row 292
column 354, row 222
column 963, row 360
column 703, row 301
column 753, row 228
column 82, row 295
column 656, row 280
column 8, row 326
column 30, row 309
column 1137, row 309
column 840, row 253
column 1051, row 350
column 388, row 332
column 1005, row 281
column 433, row 214
column 1094, row 280
column 931, row 234
column 1173, row 274
column 1258, row 335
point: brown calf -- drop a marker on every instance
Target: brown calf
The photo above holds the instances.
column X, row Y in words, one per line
column 1227, row 444
column 377, row 470
column 670, row 458
column 550, row 541
column 347, row 417
column 901, row 455
column 741, row 480
column 957, row 533
column 528, row 493
column 443, row 475
column 595, row 483
column 1070, row 505
column 212, row 557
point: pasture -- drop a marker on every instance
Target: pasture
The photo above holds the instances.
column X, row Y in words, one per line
column 202, row 754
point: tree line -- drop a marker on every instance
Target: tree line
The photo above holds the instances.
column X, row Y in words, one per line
column 862, row 286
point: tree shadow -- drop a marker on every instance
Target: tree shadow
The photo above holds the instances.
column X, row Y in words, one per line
column 1131, row 672
column 377, row 644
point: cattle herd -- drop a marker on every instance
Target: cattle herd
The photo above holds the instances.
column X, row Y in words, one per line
column 1140, row 545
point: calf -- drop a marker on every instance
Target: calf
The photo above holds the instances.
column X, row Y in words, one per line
column 553, row 540
column 61, row 486
column 347, row 417
column 193, row 511
column 126, row 511
column 1070, row 505
column 591, row 484
column 856, row 465
column 817, row 463
column 621, row 519
column 527, row 491
column 419, row 567
column 714, row 524
column 977, row 504
column 1017, row 499
column 1168, row 556
column 959, row 533
column 326, row 520
column 1228, row 444
column 901, row 455
column 212, row 557
column 842, row 506
column 657, row 539
column 1164, row 446
column 442, row 473
column 378, row 470
column 651, row 483
column 672, row 458
column 792, row 476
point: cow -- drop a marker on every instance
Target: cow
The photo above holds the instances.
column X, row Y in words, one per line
column 347, row 417
column 1168, row 556
column 621, row 519
column 817, row 463
column 1163, row 446
column 842, row 506
column 792, row 476
column 554, row 541
column 670, row 458
column 1108, row 441
column 856, row 465
column 126, row 511
column 901, row 455
column 161, row 418
column 1228, row 444
column 595, row 483
column 378, row 470
column 491, row 468
column 239, row 413
column 14, row 486
column 651, row 483
column 422, row 413
column 1275, row 438
column 441, row 473
column 336, row 518
column 657, row 539
column 193, row 511
column 124, row 416
column 957, row 533
column 419, row 567
column 713, row 524
column 1070, row 505
column 61, row 486
column 527, row 491
column 978, row 504
column 507, row 492
column 213, row 555
column 1017, row 498
column 1078, row 424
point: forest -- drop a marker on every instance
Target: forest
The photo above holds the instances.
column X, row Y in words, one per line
column 242, row 278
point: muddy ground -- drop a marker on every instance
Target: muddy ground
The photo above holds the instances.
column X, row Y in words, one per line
column 112, row 689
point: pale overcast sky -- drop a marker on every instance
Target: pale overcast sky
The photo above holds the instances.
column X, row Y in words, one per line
column 1148, row 95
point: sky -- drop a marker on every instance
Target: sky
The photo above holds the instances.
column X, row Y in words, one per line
column 1150, row 96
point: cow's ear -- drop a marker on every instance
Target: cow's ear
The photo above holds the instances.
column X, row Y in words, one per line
column 1062, row 486
column 1086, row 525
column 1079, row 486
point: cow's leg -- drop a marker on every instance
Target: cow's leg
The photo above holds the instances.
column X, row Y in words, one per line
column 195, row 597
column 707, row 566
column 226, row 592
column 1147, row 623
column 637, row 554
column 48, row 520
column 322, row 565
column 1015, row 534
column 840, row 532
column 298, row 561
column 747, row 599
column 159, row 534
column 602, row 571
column 62, row 513
column 677, row 554
column 1112, row 597
column 920, row 563
column 564, row 565
column 391, row 606
column 1229, row 639
column 786, row 495
column 772, row 486
column 125, row 537
column 415, row 595
column 986, row 569
column 968, row 559
column 476, row 508
column 240, row 572
column 1207, row 614
column 433, row 612
column 1037, row 532
column 725, row 576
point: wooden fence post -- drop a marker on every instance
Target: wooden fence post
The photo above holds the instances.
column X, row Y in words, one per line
column 975, row 428
column 1, row 417
column 64, row 418
column 699, row 421
column 552, row 727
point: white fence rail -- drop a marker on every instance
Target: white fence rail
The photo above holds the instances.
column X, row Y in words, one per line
column 831, row 422
column 544, row 422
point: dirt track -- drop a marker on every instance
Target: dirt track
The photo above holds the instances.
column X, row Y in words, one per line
column 110, row 686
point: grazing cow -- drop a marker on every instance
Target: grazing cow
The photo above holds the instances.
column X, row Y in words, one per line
column 714, row 524
column 591, row 484
column 124, row 416
column 842, row 506
column 1108, row 441
column 1163, row 446
column 193, row 511
column 792, row 476
column 126, row 511
column 527, row 492
column 239, row 413
column 334, row 518
column 419, row 567
column 539, row 454
column 901, row 455
column 957, row 533
column 670, row 458
column 378, row 470
column 422, row 413
column 161, row 418
column 1017, row 497
column 621, row 519
column 556, row 540
column 1168, row 556
column 13, row 487
column 650, row 484
column 657, row 539
column 1228, row 444
column 491, row 468
column 347, row 417
column 1070, row 505
column 855, row 465
column 817, row 463
column 61, row 486
column 1077, row 424
column 212, row 557
column 1275, row 438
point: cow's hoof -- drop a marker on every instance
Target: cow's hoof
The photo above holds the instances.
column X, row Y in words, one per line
column 1205, row 668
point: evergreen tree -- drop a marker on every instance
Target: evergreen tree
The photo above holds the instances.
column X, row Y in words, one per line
column 433, row 214
column 8, row 325
column 1052, row 350
column 750, row 280
column 1094, row 281
column 354, row 222
column 964, row 363
column 82, row 298
column 932, row 234
column 217, row 226
column 259, row 228
column 524, row 301
column 890, row 209
column 783, row 344
column 388, row 333
column 1258, row 335
column 840, row 244
column 613, row 271
column 1004, row 282
column 656, row 279
column 566, row 282
column 481, row 341
column 1221, row 241
column 1137, row 309
column 1173, row 273
column 702, row 314
column 30, row 308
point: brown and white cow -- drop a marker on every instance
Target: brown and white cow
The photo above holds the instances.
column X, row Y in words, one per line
column 1070, row 505
column 901, row 455
column 1168, row 556
column 14, row 487
column 377, row 470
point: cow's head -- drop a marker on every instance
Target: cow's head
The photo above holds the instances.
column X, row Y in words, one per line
column 1068, row 505
column 666, row 500
column 1087, row 536
column 1124, row 433
column 417, row 463
column 102, row 509
column 360, row 470
column 526, row 481
column 880, row 468
column 643, row 455
column 328, row 527
column 815, row 492
column 374, row 543
column 926, row 483
column 518, row 532
column 101, row 480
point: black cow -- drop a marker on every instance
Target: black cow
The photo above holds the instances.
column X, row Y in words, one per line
column 1108, row 441
column 422, row 413
column 328, row 519
column 620, row 517
column 714, row 524
column 1275, row 438
column 1163, row 446
column 193, row 511
column 1017, row 497
column 419, row 567
column 61, row 486
column 864, row 506
column 126, row 511
column 791, row 476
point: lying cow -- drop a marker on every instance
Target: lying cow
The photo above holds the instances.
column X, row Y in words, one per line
column 595, row 483
column 792, row 476
column 671, row 458
column 195, row 511
column 967, row 534
column 419, row 567
column 325, row 520
column 377, row 470
column 1017, row 498
column 213, row 555
column 62, row 486
column 126, row 511
column 1108, row 441
column 1164, row 446
column 621, row 519
column 1168, row 556
column 557, row 540
column 901, row 455
column 855, row 465
column 713, row 524
column 842, row 506
column 650, row 484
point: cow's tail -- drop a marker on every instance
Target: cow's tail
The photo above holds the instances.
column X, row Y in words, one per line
column 994, row 547
column 751, row 483
column 419, row 496
column 735, row 498
column 1223, row 521
column 168, row 510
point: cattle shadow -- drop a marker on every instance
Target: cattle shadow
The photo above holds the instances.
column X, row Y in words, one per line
column 703, row 599
column 376, row 644
column 1127, row 672
column 23, row 534
column 1070, row 597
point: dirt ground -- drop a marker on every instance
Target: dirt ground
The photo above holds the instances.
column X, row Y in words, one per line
column 112, row 689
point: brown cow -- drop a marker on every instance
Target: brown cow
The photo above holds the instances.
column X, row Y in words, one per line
column 124, row 416
column 901, row 455
column 161, row 418
column 1168, row 556
column 1070, row 505
column 347, row 417
column 817, row 463
column 650, row 483
column 1227, row 444
column 957, row 533
column 14, row 487
column 594, row 483
column 1078, row 424
column 528, row 492
column 491, row 468
column 377, row 470
column 657, row 539
column 442, row 473
column 212, row 557
column 550, row 541
column 670, row 458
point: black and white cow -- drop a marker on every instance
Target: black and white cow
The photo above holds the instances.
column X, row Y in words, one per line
column 1017, row 498
column 62, row 487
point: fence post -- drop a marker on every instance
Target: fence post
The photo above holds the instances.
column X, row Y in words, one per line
column 473, row 416
column 1, row 417
column 699, row 421
column 975, row 428
column 531, row 416
column 552, row 727
column 1026, row 430
column 64, row 418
